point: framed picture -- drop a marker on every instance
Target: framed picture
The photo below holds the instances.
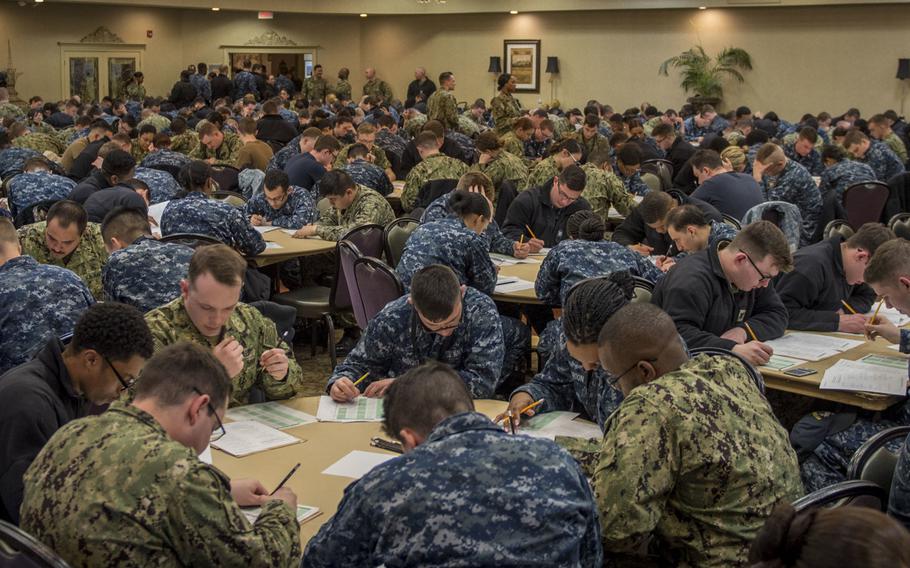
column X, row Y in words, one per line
column 522, row 60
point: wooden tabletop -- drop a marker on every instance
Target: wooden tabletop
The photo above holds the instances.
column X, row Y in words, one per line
column 525, row 272
column 291, row 248
column 326, row 443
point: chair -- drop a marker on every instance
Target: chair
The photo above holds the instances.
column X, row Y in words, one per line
column 505, row 195
column 874, row 461
column 395, row 235
column 227, row 178
column 433, row 189
column 642, row 290
column 33, row 214
column 20, row 549
column 772, row 216
column 230, row 197
column 715, row 351
column 347, row 255
column 732, row 221
column 377, row 284
column 661, row 169
column 838, row 227
column 845, row 494
column 193, row 240
column 865, row 202
column 900, row 224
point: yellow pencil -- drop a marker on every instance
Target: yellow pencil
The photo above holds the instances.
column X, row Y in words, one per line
column 531, row 406
column 749, row 329
column 875, row 315
column 530, row 232
column 521, row 240
column 848, row 306
column 360, row 380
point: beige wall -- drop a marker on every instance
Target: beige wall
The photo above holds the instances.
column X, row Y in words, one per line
column 803, row 57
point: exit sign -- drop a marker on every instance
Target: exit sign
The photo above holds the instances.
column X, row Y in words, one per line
column 266, row 15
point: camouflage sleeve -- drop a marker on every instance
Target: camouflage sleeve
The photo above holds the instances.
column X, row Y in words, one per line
column 341, row 160
column 210, row 529
column 899, row 503
column 645, row 268
column 233, row 153
column 380, row 159
column 372, row 353
column 547, row 286
column 303, row 213
column 635, row 475
column 292, row 383
column 255, row 206
column 622, row 200
column 554, row 384
column 483, row 364
column 905, row 341
column 481, row 272
column 198, row 152
column 363, row 215
column 163, row 333
column 385, row 185
column 246, row 239
column 347, row 535
column 411, row 188
column 499, row 243
column 386, row 91
column 450, row 111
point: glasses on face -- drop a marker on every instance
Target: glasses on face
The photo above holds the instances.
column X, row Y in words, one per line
column 565, row 196
column 218, row 432
column 763, row 277
column 445, row 327
column 612, row 381
column 124, row 384
column 574, row 161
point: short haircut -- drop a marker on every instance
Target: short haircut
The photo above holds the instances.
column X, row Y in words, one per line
column 101, row 124
column 743, row 111
column 247, row 126
column 706, row 159
column 590, row 303
column 178, row 125
column 423, row 397
column 8, row 234
column 208, row 129
column 573, row 177
column 435, row 127
column 435, row 291
column 426, row 140
column 366, row 128
column 586, row 225
column 276, row 178
column 834, row 152
column 684, row 215
column 663, row 130
column 336, row 183
column 118, row 163
column 488, row 141
column 878, row 119
column 125, row 224
column 67, row 212
column 654, row 206
column 592, row 120
column 890, row 262
column 854, row 136
column 523, row 123
column 477, row 179
column 808, row 133
column 445, row 76
column 311, row 132
column 547, row 124
column 770, row 153
column 221, row 261
column 270, row 107
column 599, row 157
column 105, row 150
column 116, row 331
column 629, row 154
column 183, row 370
column 869, row 237
column 385, row 121
column 637, row 329
column 36, row 162
column 327, row 143
column 756, row 136
column 147, row 129
column 464, row 203
column 162, row 141
column 570, row 145
column 761, row 239
column 358, row 150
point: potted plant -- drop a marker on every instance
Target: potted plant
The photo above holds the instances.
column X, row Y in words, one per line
column 704, row 75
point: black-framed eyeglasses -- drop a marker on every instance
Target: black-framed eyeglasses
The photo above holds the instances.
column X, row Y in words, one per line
column 218, row 432
column 763, row 277
column 124, row 384
column 565, row 195
column 613, row 380
column 452, row 325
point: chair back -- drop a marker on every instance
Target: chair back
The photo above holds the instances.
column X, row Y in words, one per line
column 230, row 197
column 34, row 213
column 865, row 202
column 395, row 235
column 772, row 216
column 838, row 227
column 718, row 351
column 367, row 238
column 378, row 285
column 433, row 189
column 505, row 195
column 226, row 177
column 171, row 168
column 900, row 224
column 732, row 221
column 344, row 293
column 193, row 240
column 845, row 494
column 662, row 170
column 874, row 461
column 21, row 550
column 642, row 290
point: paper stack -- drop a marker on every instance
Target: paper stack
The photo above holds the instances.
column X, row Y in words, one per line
column 811, row 346
column 865, row 377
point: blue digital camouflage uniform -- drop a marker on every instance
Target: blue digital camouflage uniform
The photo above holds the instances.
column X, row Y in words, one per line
column 171, row 323
column 166, row 161
column 537, row 150
column 899, row 502
column 85, row 261
column 39, row 302
column 565, row 385
column 202, row 85
column 811, row 161
column 31, row 188
column 437, row 166
column 470, row 495
column 571, row 261
column 465, row 143
column 126, row 477
column 285, row 83
column 369, row 175
column 795, row 185
column 634, row 184
column 390, row 142
column 843, row 174
column 883, row 161
column 251, row 182
column 693, row 132
column 146, row 274
column 395, row 341
column 496, row 241
column 245, row 84
column 13, row 159
column 162, row 185
column 198, row 214
column 750, row 157
column 696, row 460
column 297, row 211
column 449, row 242
column 283, row 156
column 791, row 219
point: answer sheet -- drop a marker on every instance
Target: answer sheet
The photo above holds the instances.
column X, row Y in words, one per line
column 811, row 346
column 249, row 437
column 858, row 376
column 361, row 409
column 272, row 414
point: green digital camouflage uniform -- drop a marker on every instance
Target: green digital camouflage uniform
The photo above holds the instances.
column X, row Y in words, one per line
column 437, row 166
column 468, row 127
column 897, row 146
column 697, row 460
column 793, row 136
column 561, row 126
column 504, row 109
column 368, row 207
column 590, row 145
column 543, row 172
column 161, row 123
column 41, row 142
column 135, row 92
column 414, row 125
column 137, row 152
column 133, row 496
column 511, row 144
column 651, row 123
column 505, row 166
column 185, row 143
column 86, row 261
column 171, row 323
column 342, row 90
column 379, row 158
column 9, row 110
column 315, row 89
column 225, row 155
column 604, row 190
column 443, row 107
column 378, row 88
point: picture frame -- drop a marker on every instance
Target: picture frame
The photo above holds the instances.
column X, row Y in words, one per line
column 521, row 58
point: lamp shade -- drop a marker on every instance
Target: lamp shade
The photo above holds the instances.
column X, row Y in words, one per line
column 552, row 65
column 495, row 64
column 903, row 68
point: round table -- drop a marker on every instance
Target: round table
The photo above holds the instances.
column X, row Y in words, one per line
column 291, row 248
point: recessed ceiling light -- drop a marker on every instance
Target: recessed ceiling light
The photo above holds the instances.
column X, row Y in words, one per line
column 216, row 9
column 363, row 15
column 513, row 12
column 39, row 1
column 702, row 7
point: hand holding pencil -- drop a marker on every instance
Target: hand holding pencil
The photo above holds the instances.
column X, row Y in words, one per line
column 881, row 327
column 521, row 403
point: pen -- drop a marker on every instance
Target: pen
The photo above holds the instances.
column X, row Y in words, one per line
column 360, row 380
column 286, row 477
column 875, row 315
column 749, row 329
column 530, row 232
column 848, row 306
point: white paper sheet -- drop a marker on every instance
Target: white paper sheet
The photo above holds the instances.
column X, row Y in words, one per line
column 515, row 286
column 361, row 409
column 304, row 512
column 503, row 260
column 810, row 346
column 249, row 437
column 357, row 464
column 156, row 210
column 273, row 245
column 274, row 414
column 857, row 376
column 264, row 230
column 206, row 455
column 891, row 314
column 551, row 424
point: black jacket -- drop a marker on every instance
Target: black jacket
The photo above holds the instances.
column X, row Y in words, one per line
column 39, row 398
column 633, row 230
column 88, row 186
column 411, row 157
column 103, row 201
column 679, row 154
column 703, row 305
column 183, row 93
column 221, row 87
column 59, row 120
column 532, row 207
column 813, row 291
column 273, row 128
column 731, row 192
column 82, row 165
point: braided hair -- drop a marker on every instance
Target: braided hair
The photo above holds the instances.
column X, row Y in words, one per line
column 593, row 301
column 193, row 177
column 586, row 225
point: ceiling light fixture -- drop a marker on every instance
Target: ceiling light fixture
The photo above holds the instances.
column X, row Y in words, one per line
column 216, row 9
column 702, row 7
column 513, row 12
column 363, row 15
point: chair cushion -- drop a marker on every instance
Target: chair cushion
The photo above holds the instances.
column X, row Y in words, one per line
column 309, row 301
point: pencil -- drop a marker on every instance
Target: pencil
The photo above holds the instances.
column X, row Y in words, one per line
column 531, row 406
column 875, row 315
column 511, row 424
column 530, row 232
column 286, row 477
column 521, row 240
column 749, row 329
column 360, row 380
column 848, row 306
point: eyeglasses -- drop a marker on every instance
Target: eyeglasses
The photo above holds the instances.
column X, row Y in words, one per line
column 124, row 385
column 442, row 328
column 573, row 159
column 219, row 431
column 565, row 195
column 613, row 380
column 764, row 277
